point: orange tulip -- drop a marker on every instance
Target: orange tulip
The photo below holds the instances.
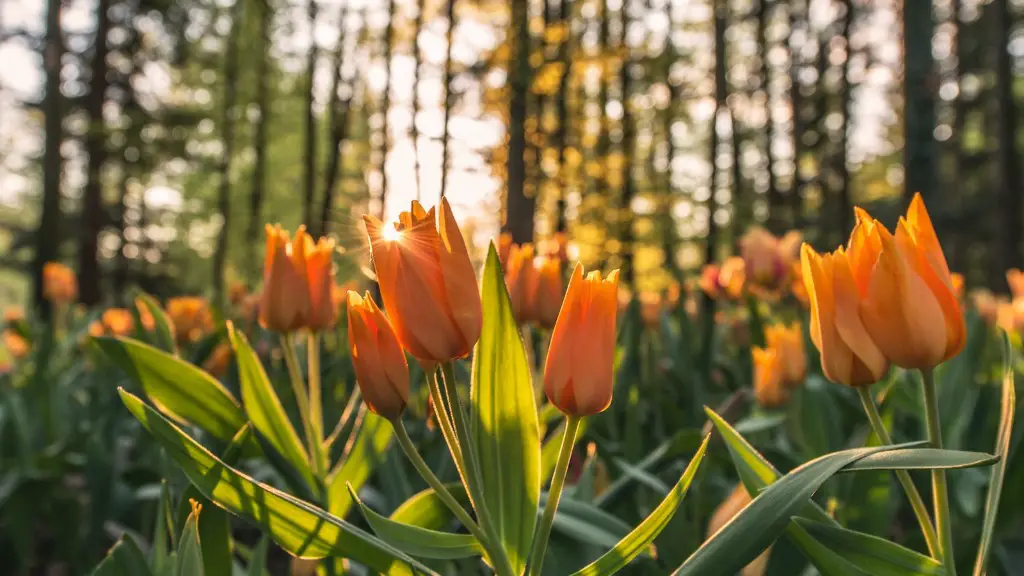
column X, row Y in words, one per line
column 578, row 370
column 319, row 280
column 60, row 285
column 285, row 303
column 191, row 317
column 788, row 343
column 848, row 354
column 16, row 346
column 907, row 301
column 556, row 247
column 117, row 322
column 13, row 315
column 957, row 281
column 1015, row 278
column 760, row 252
column 427, row 283
column 521, row 280
column 504, row 247
column 379, row 361
column 768, row 378
column 550, row 291
column 219, row 359
column 730, row 507
column 986, row 304
column 1010, row 315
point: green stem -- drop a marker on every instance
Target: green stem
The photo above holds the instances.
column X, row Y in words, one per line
column 940, row 491
column 434, row 482
column 291, row 360
column 316, row 407
column 543, row 532
column 916, row 502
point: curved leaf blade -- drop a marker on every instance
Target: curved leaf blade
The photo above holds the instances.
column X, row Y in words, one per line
column 163, row 328
column 299, row 527
column 645, row 533
column 871, row 554
column 504, row 427
column 371, row 441
column 123, row 559
column 922, row 459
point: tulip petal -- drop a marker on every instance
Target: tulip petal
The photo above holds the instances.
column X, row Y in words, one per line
column 848, row 322
column 459, row 277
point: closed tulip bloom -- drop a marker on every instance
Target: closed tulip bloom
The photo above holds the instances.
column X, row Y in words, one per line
column 760, row 252
column 60, row 285
column 550, row 291
column 319, row 267
column 521, row 280
column 1015, row 279
column 733, row 276
column 427, row 283
column 381, row 368
column 907, row 301
column 848, row 354
column 768, row 378
column 578, row 369
column 788, row 342
column 285, row 302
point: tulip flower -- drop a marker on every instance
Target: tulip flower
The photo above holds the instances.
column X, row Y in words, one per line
column 521, row 280
column 730, row 507
column 191, row 318
column 578, row 369
column 550, row 291
column 504, row 247
column 285, row 302
column 60, row 285
column 16, row 345
column 788, row 343
column 727, row 280
column 769, row 388
column 986, row 304
column 381, row 368
column 848, row 355
column 957, row 281
column 907, row 301
column 760, row 252
column 427, row 283
column 1015, row 279
column 219, row 359
column 323, row 312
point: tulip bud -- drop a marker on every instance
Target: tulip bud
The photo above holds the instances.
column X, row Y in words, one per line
column 1015, row 279
column 763, row 263
column 550, row 291
column 323, row 312
column 848, row 354
column 788, row 342
column 60, row 285
column 427, row 283
column 578, row 370
column 381, row 368
column 521, row 280
column 285, row 302
column 768, row 378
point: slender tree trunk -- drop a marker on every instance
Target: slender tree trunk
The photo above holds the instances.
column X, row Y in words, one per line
column 844, row 205
column 628, row 153
column 48, row 234
column 776, row 223
column 92, row 220
column 742, row 203
column 386, row 107
column 338, row 119
column 309, row 175
column 227, row 127
column 669, row 233
column 121, row 264
column 449, row 101
column 796, row 200
column 260, row 145
column 602, row 187
column 957, row 251
column 519, row 207
column 721, row 92
column 1011, row 205
column 561, row 107
column 421, row 7
column 919, row 150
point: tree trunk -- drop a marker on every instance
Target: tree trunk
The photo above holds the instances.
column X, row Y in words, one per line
column 628, row 153
column 421, row 7
column 385, row 108
column 338, row 119
column 309, row 175
column 721, row 92
column 1010, row 188
column 227, row 127
column 776, row 222
column 260, row 145
column 519, row 207
column 48, row 234
column 844, row 205
column 448, row 100
column 561, row 109
column 92, row 220
column 920, row 84
column 796, row 105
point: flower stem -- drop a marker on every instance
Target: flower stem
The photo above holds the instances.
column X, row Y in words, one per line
column 543, row 532
column 316, row 410
column 940, row 491
column 916, row 502
column 291, row 360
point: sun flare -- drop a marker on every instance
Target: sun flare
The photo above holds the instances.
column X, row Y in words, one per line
column 391, row 233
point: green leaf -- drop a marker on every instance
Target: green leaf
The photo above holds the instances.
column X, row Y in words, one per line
column 871, row 554
column 418, row 541
column 922, row 459
column 123, row 559
column 549, row 451
column 426, row 510
column 824, row 559
column 998, row 472
column 758, row 525
column 180, row 390
column 645, row 533
column 163, row 330
column 258, row 558
column 214, row 531
column 264, row 408
column 586, row 523
column 190, row 551
column 300, row 528
column 371, row 440
column 504, row 427
column 760, row 422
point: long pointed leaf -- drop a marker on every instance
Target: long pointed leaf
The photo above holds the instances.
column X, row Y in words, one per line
column 922, row 459
column 872, row 554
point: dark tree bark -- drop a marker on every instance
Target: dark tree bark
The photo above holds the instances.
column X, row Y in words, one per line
column 669, row 238
column 920, row 84
column 721, row 92
column 628, row 153
column 421, row 7
column 448, row 99
column 48, row 234
column 385, row 108
column 1010, row 190
column 561, row 109
column 957, row 249
column 260, row 145
column 844, row 205
column 796, row 199
column 776, row 222
column 519, row 207
column 309, row 175
column 93, row 220
column 227, row 127
column 338, row 118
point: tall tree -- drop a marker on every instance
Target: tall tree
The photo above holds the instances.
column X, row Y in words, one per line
column 260, row 144
column 796, row 199
column 519, row 207
column 421, row 7
column 628, row 152
column 338, row 114
column 448, row 97
column 844, row 205
column 920, row 83
column 775, row 222
column 721, row 9
column 309, row 175
column 386, row 108
column 227, row 135
column 561, row 109
column 93, row 219
column 1011, row 188
column 48, row 234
